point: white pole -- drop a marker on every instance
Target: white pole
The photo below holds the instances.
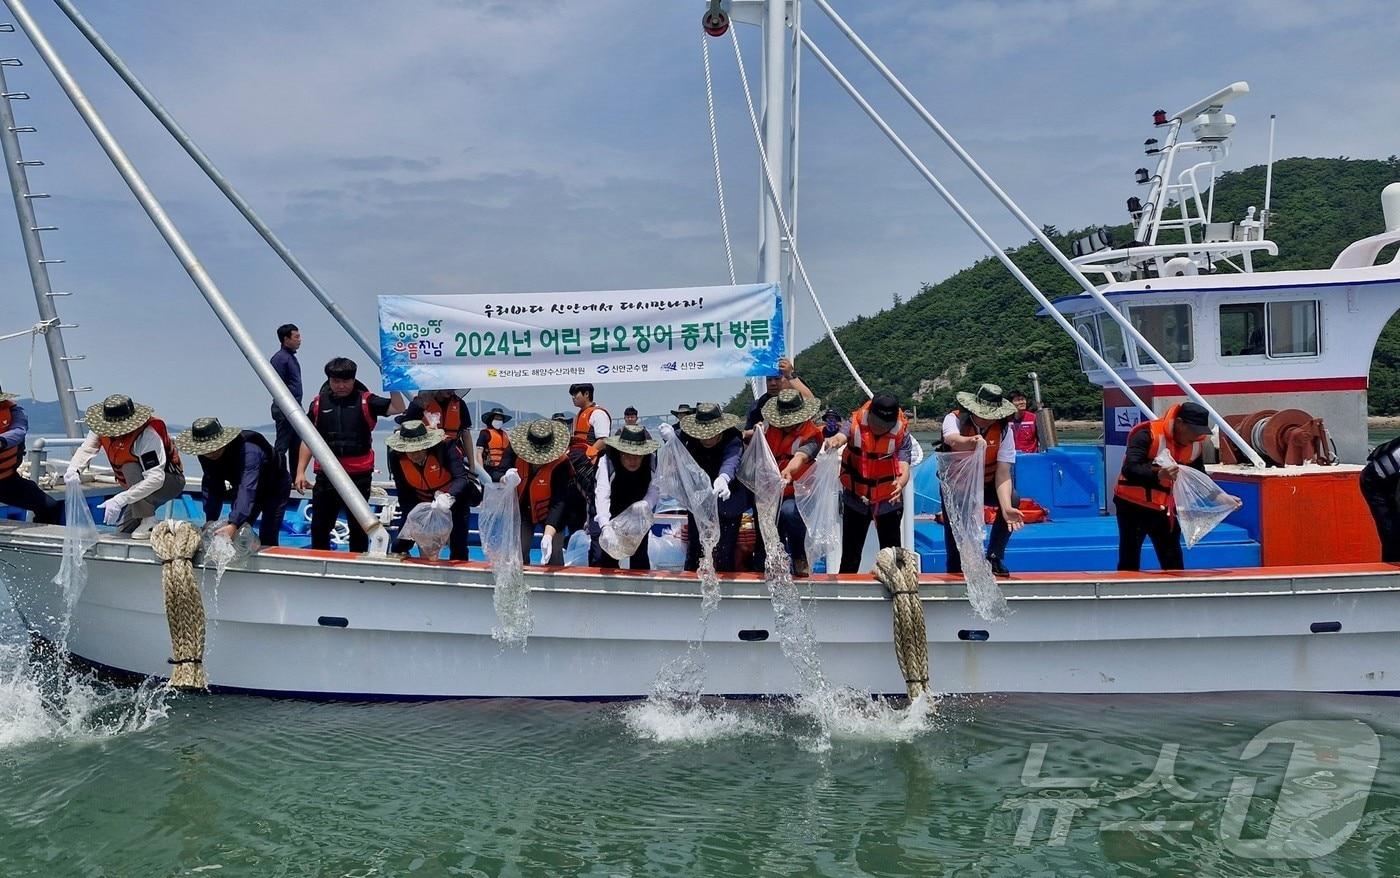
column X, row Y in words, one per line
column 773, row 117
column 1268, row 178
column 355, row 503
column 793, row 137
column 1074, row 271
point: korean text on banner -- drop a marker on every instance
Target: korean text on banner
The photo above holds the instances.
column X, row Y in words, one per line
column 512, row 339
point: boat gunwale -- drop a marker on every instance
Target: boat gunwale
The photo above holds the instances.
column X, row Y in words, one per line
column 939, row 588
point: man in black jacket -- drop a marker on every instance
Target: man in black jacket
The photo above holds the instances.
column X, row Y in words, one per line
column 344, row 413
column 241, row 468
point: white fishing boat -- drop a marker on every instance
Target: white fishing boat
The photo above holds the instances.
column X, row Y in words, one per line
column 1159, row 326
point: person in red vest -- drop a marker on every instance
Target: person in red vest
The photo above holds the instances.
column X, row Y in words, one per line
column 986, row 415
column 14, row 490
column 427, row 467
column 345, row 413
column 544, row 481
column 1143, row 495
column 874, row 471
column 143, row 460
column 493, row 444
column 794, row 440
column 1023, row 425
column 444, row 410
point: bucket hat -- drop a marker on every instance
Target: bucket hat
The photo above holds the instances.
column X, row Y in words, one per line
column 205, row 435
column 707, row 421
column 539, row 442
column 414, row 436
column 116, row 415
column 633, row 439
column 987, row 402
column 788, row 408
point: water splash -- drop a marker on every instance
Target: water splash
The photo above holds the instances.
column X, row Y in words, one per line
column 42, row 698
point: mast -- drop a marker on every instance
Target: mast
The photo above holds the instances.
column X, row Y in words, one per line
column 774, row 120
column 29, row 230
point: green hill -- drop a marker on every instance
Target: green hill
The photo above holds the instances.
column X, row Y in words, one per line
column 979, row 325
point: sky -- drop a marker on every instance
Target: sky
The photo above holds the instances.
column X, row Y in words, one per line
column 475, row 146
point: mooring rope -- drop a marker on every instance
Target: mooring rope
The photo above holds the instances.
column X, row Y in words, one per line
column 175, row 543
column 898, row 571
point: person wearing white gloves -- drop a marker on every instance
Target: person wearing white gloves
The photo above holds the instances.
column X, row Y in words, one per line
column 713, row 438
column 544, row 481
column 429, row 469
column 624, row 480
column 143, row 460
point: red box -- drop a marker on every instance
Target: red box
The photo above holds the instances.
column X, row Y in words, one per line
column 1315, row 517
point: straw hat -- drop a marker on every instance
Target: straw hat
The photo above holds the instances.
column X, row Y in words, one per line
column 564, row 418
column 633, row 439
column 987, row 403
column 117, row 415
column 682, row 410
column 7, row 397
column 414, row 436
column 539, row 442
column 707, row 421
column 789, row 408
column 205, row 435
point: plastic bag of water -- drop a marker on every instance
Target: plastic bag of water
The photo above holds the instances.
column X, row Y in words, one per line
column 429, row 527
column 962, row 474
column 1200, row 504
column 818, row 496
column 622, row 536
column 576, row 552
column 666, row 551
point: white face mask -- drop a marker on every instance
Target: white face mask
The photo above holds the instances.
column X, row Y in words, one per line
column 496, row 423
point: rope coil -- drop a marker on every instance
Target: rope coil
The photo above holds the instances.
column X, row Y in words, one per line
column 898, row 571
column 175, row 544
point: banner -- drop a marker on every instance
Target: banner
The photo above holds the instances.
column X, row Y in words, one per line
column 513, row 339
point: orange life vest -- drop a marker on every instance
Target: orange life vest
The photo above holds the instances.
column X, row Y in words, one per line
column 966, row 427
column 536, row 485
column 584, row 437
column 119, row 453
column 427, row 479
column 10, row 457
column 449, row 418
column 784, row 442
column 1159, row 497
column 498, row 443
column 870, row 467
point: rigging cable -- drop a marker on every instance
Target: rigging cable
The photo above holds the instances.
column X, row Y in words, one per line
column 773, row 195
column 714, row 149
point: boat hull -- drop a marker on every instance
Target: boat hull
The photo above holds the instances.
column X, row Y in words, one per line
column 327, row 625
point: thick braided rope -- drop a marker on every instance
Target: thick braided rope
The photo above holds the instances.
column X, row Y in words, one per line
column 175, row 544
column 898, row 570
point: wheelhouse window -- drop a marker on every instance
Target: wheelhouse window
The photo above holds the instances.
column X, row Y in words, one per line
column 1167, row 328
column 1242, row 329
column 1293, row 329
column 1274, row 329
column 1104, row 336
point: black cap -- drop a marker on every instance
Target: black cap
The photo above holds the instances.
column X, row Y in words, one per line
column 884, row 411
column 1194, row 416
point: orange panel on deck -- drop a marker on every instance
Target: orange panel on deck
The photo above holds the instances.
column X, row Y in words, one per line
column 1313, row 518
